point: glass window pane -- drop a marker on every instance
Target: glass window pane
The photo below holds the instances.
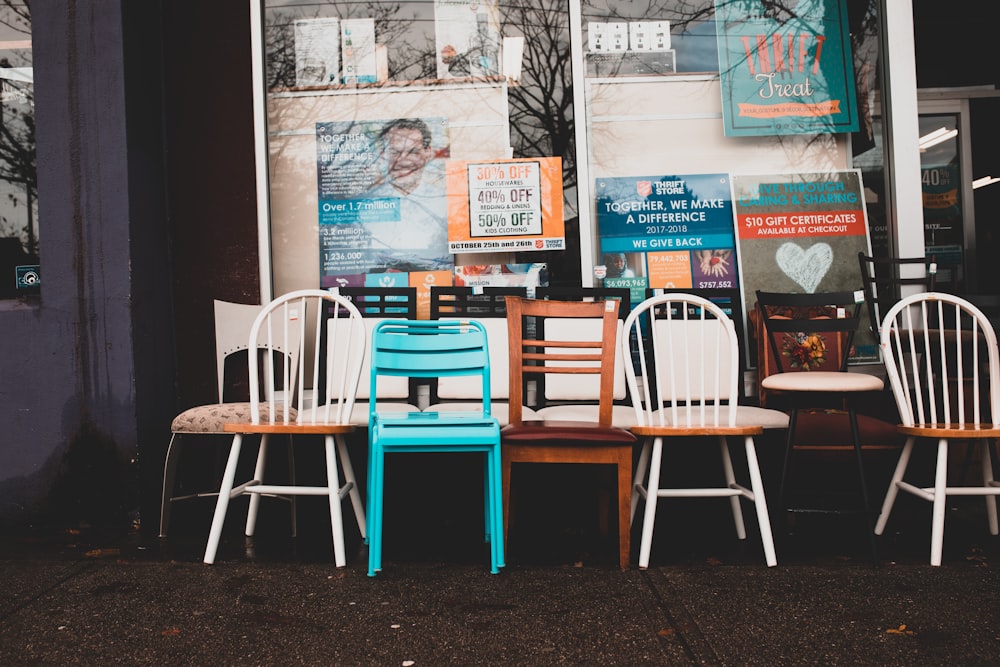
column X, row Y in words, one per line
column 19, row 270
column 439, row 64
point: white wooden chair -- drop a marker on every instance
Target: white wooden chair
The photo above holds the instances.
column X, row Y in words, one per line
column 688, row 359
column 278, row 382
column 940, row 353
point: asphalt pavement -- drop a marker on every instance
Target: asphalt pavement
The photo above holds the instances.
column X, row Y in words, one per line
column 79, row 597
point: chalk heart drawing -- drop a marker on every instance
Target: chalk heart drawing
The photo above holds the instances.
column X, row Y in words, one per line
column 805, row 267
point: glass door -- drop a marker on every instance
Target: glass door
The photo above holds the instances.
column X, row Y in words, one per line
column 946, row 185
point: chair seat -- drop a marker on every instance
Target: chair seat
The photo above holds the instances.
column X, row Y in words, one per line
column 746, row 415
column 213, row 418
column 498, row 409
column 951, row 430
column 554, row 432
column 622, row 416
column 451, row 430
column 822, row 381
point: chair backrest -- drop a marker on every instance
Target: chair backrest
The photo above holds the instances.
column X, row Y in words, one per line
column 814, row 331
column 232, row 324
column 564, row 389
column 884, row 281
column 688, row 359
column 306, row 319
column 429, row 349
column 489, row 307
column 376, row 304
column 562, row 351
column 731, row 303
column 947, row 374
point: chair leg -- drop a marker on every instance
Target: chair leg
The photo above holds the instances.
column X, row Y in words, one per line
column 789, row 443
column 294, row 499
column 488, row 518
column 368, row 483
column 988, row 481
column 376, row 465
column 640, row 475
column 893, row 491
column 169, row 475
column 494, row 509
column 652, row 498
column 352, row 483
column 624, row 507
column 336, row 511
column 940, row 496
column 258, row 475
column 760, row 503
column 734, row 501
column 856, row 438
column 222, row 503
column 505, row 466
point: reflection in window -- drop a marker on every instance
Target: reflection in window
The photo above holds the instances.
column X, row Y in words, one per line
column 19, row 271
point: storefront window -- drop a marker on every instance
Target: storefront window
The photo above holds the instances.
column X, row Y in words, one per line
column 367, row 105
column 360, row 98
column 19, row 265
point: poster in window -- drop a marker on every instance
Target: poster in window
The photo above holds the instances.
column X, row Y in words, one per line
column 505, row 205
column 467, row 36
column 672, row 231
column 382, row 201
column 802, row 233
column 317, row 51
column 785, row 68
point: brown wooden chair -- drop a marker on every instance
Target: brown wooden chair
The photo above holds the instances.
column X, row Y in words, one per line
column 592, row 359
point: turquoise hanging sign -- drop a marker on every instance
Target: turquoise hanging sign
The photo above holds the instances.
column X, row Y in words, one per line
column 785, row 68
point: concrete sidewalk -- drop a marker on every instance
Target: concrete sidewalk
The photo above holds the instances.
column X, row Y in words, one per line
column 705, row 600
column 79, row 597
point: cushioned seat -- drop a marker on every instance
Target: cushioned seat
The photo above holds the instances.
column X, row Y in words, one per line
column 212, row 418
column 622, row 416
column 746, row 415
column 573, row 433
column 822, row 382
column 499, row 409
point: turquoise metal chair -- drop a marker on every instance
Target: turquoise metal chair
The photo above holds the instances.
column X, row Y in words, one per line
column 430, row 349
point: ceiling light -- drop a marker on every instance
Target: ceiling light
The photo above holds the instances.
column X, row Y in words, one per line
column 936, row 137
column 984, row 181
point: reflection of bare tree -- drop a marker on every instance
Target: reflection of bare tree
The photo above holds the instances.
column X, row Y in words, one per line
column 17, row 131
column 16, row 15
column 541, row 108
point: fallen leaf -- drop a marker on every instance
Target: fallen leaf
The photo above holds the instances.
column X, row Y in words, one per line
column 171, row 632
column 901, row 630
column 666, row 632
column 102, row 553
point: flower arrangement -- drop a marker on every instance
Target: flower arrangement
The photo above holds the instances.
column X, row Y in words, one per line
column 805, row 351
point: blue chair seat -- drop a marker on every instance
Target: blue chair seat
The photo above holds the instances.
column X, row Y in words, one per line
column 421, row 430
